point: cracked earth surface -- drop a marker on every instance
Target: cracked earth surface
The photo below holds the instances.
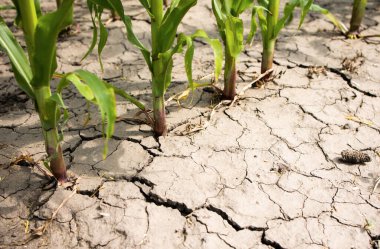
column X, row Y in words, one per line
column 266, row 172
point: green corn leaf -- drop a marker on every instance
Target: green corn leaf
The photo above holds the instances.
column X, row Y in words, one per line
column 189, row 63
column 259, row 12
column 105, row 4
column 264, row 3
column 217, row 50
column 234, row 35
column 240, row 6
column 305, row 7
column 102, row 40
column 88, row 92
column 227, row 5
column 162, row 70
column 83, row 89
column 57, row 98
column 168, row 29
column 224, row 11
column 187, row 41
column 103, row 33
column 38, row 7
column 168, row 73
column 18, row 17
column 288, row 13
column 220, row 18
column 127, row 97
column 59, row 105
column 104, row 97
column 117, row 6
column 253, row 29
column 219, row 14
column 173, row 4
column 147, row 4
column 331, row 17
column 19, row 61
column 166, row 61
column 69, row 18
column 61, row 118
column 94, row 41
column 44, row 56
column 263, row 22
column 132, row 38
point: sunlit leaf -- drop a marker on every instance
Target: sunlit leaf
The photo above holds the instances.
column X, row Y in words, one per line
column 19, row 61
column 45, row 42
column 104, row 98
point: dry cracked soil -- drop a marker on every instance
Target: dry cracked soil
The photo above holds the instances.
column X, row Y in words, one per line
column 263, row 173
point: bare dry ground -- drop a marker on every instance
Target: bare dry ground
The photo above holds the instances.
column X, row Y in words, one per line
column 264, row 173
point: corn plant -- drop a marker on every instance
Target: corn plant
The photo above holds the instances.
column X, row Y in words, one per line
column 271, row 24
column 358, row 12
column 35, row 72
column 231, row 30
column 164, row 25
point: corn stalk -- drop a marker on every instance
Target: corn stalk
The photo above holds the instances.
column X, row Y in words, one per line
column 269, row 39
column 358, row 12
column 231, row 30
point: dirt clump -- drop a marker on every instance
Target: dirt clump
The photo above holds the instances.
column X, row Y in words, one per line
column 355, row 157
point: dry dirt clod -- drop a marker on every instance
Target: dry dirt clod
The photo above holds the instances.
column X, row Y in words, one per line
column 316, row 71
column 352, row 65
column 346, row 127
column 355, row 157
column 260, row 84
column 281, row 168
